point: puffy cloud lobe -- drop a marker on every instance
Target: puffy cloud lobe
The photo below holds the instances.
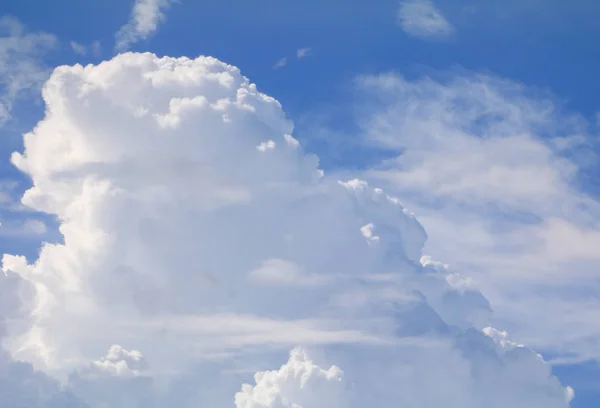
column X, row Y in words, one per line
column 119, row 379
column 465, row 372
column 120, row 362
column 299, row 383
column 186, row 239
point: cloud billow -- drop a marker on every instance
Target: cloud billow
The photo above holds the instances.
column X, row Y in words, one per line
column 197, row 229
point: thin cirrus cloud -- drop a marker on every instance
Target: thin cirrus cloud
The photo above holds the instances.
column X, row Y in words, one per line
column 22, row 71
column 146, row 16
column 94, row 49
column 300, row 54
column 280, row 63
column 183, row 243
column 303, row 52
column 491, row 168
column 422, row 19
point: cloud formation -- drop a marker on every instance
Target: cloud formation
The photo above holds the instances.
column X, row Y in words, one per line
column 280, row 63
column 21, row 69
column 421, row 18
column 298, row 383
column 492, row 169
column 143, row 23
column 197, row 231
column 94, row 49
column 303, row 52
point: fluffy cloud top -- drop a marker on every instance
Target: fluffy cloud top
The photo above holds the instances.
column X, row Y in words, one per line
column 421, row 18
column 196, row 228
column 298, row 383
column 120, row 362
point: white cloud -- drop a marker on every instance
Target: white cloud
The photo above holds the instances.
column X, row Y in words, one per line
column 35, row 226
column 78, row 48
column 120, row 362
column 186, row 242
column 421, row 18
column 465, row 142
column 145, row 18
column 95, row 48
column 491, row 168
column 282, row 272
column 22, row 228
column 298, row 383
column 281, row 63
column 303, row 52
column 21, row 69
column 416, row 375
column 501, row 338
column 264, row 146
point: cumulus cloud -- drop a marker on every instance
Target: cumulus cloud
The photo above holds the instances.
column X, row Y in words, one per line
column 421, row 18
column 457, row 374
column 143, row 23
column 298, row 383
column 21, row 69
column 120, row 362
column 186, row 240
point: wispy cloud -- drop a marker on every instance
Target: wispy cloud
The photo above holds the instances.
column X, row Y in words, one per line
column 80, row 49
column 281, row 63
column 143, row 23
column 490, row 167
column 29, row 227
column 421, row 18
column 21, row 68
column 303, row 52
column 300, row 54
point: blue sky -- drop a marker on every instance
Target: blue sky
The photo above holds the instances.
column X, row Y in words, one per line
column 481, row 118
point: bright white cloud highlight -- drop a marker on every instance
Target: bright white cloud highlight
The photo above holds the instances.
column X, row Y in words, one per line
column 120, row 362
column 144, row 21
column 421, row 18
column 185, row 241
column 298, row 383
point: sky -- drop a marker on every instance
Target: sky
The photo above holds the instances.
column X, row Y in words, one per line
column 277, row 204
